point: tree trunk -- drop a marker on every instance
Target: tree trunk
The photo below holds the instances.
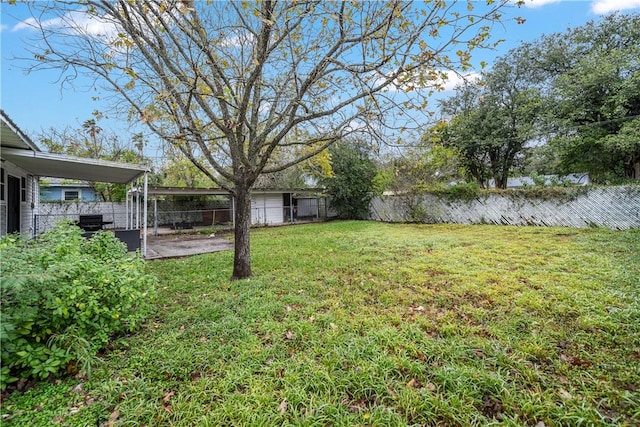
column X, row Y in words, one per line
column 242, row 255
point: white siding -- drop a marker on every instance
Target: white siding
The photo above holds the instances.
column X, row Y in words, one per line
column 267, row 209
column 27, row 208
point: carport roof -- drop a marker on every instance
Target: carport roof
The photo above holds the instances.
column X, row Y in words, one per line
column 62, row 166
column 184, row 191
column 20, row 150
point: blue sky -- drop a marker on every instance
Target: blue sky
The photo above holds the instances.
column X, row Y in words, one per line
column 36, row 102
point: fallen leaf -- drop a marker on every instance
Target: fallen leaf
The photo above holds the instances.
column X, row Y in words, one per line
column 414, row 383
column 282, row 408
column 431, row 387
column 290, row 335
column 289, row 308
column 167, row 408
column 203, row 339
column 565, row 394
column 113, row 417
column 541, row 424
column 333, row 325
column 79, row 389
column 311, row 319
column 167, row 397
column 580, row 362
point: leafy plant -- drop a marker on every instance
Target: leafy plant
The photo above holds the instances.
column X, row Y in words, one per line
column 63, row 297
column 353, row 184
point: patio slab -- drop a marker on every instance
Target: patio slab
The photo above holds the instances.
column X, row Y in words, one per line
column 181, row 246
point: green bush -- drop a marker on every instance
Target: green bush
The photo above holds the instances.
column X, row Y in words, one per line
column 63, row 297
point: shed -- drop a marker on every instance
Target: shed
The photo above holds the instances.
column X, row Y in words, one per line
column 268, row 206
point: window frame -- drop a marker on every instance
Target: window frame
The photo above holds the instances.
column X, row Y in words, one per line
column 77, row 192
column 23, row 189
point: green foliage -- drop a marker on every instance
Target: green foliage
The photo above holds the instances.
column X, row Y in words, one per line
column 491, row 123
column 594, row 76
column 354, row 183
column 426, row 165
column 460, row 191
column 63, row 297
column 565, row 103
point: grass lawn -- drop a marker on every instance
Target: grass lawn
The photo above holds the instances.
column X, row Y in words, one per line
column 364, row 323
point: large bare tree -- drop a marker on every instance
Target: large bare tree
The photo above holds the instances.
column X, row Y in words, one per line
column 239, row 86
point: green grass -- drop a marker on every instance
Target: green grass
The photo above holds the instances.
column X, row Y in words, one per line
column 362, row 323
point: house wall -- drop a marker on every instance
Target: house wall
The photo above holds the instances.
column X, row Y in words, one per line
column 267, row 209
column 56, row 193
column 28, row 207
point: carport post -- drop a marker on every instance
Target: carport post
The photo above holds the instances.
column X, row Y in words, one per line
column 138, row 207
column 145, row 210
column 155, row 215
column 291, row 208
column 126, row 207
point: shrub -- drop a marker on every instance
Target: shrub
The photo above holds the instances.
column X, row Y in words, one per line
column 63, row 297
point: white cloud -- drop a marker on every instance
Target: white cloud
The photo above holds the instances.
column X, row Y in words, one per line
column 602, row 7
column 444, row 80
column 355, row 125
column 27, row 24
column 539, row 3
column 71, row 22
column 454, row 79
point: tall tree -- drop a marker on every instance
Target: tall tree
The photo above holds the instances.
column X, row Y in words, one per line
column 232, row 84
column 351, row 184
column 591, row 76
column 492, row 121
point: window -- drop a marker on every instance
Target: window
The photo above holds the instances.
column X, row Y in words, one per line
column 23, row 189
column 70, row 195
column 2, row 184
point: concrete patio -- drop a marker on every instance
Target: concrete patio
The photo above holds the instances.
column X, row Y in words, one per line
column 181, row 245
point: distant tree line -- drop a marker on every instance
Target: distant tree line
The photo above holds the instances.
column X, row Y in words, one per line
column 567, row 102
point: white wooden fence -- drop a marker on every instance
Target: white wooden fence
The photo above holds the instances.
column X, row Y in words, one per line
column 611, row 207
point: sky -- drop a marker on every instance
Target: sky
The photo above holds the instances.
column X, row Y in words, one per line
column 36, row 102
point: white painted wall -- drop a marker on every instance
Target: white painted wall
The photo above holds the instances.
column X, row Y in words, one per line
column 267, row 209
column 27, row 208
